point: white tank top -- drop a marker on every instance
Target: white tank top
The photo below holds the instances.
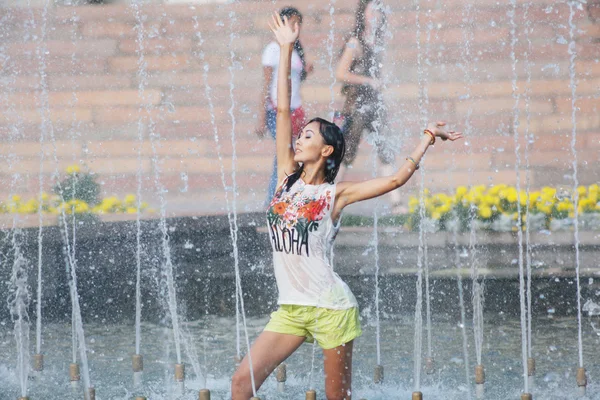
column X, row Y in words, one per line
column 302, row 234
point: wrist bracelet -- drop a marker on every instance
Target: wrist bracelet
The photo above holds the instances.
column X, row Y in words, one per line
column 428, row 132
column 412, row 160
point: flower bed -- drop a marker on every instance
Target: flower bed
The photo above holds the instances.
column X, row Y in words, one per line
column 77, row 193
column 497, row 208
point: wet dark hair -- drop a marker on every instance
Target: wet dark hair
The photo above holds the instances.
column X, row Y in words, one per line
column 360, row 24
column 293, row 12
column 333, row 136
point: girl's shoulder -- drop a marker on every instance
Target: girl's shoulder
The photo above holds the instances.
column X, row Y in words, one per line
column 270, row 55
column 271, row 47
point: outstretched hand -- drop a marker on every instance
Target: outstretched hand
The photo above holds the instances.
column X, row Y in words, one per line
column 437, row 129
column 284, row 32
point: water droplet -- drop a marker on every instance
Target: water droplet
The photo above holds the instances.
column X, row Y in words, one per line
column 561, row 40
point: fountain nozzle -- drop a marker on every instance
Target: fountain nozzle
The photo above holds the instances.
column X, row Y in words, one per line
column 311, row 395
column 378, row 375
column 238, row 359
column 137, row 362
column 526, row 396
column 417, row 396
column 581, row 381
column 530, row 366
column 38, row 362
column 179, row 372
column 74, row 372
column 140, row 398
column 429, row 365
column 479, row 374
column 581, row 378
column 281, row 375
column 204, row 394
column 281, row 372
column 92, row 393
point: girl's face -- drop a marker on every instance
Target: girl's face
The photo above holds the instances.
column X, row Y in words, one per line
column 310, row 146
column 373, row 14
column 293, row 20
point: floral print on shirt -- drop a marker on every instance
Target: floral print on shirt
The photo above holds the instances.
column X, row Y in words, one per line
column 297, row 212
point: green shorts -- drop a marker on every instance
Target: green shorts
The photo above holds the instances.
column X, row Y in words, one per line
column 330, row 328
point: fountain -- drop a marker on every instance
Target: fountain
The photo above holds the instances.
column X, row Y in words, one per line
column 156, row 101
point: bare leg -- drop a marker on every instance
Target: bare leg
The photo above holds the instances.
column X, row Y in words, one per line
column 267, row 352
column 338, row 372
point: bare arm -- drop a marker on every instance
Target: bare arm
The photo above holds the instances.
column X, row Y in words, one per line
column 352, row 192
column 262, row 123
column 343, row 74
column 286, row 37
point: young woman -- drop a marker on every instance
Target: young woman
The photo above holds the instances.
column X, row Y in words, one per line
column 359, row 70
column 303, row 219
column 268, row 99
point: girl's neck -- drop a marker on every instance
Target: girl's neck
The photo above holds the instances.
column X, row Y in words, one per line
column 312, row 176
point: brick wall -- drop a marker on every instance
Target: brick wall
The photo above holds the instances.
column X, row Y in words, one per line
column 83, row 63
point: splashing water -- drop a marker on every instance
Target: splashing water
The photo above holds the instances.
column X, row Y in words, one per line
column 167, row 267
column 140, row 136
column 573, row 82
column 418, row 346
column 330, row 41
column 18, row 302
column 515, row 126
column 528, row 142
column 477, row 281
column 63, row 224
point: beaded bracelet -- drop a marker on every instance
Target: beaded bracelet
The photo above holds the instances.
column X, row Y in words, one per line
column 428, row 132
column 412, row 160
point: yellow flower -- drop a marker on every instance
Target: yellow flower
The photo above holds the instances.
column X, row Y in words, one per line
column 523, row 198
column 485, row 212
column 82, row 207
column 494, row 190
column 130, row 199
column 461, row 191
column 73, row 169
column 548, row 191
column 16, row 198
column 491, row 200
column 511, row 195
column 436, row 215
column 582, row 190
column 533, row 196
column 545, row 209
column 131, row 210
column 565, row 205
column 444, row 208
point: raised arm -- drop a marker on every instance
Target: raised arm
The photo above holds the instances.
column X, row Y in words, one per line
column 352, row 192
column 286, row 37
column 351, row 51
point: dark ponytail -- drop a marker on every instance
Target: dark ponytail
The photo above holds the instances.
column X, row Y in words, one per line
column 333, row 136
column 291, row 12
